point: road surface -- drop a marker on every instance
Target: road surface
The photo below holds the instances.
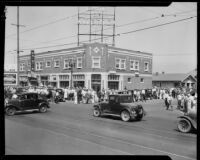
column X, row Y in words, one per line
column 69, row 128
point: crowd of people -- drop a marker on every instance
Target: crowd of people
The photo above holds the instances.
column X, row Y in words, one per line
column 83, row 95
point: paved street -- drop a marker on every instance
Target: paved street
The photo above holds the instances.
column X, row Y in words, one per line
column 71, row 129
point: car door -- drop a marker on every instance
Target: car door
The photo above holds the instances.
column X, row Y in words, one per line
column 25, row 102
column 115, row 107
column 34, row 101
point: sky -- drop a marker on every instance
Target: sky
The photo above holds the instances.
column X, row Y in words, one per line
column 151, row 29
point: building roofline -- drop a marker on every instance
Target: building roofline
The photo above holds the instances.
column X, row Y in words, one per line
column 128, row 50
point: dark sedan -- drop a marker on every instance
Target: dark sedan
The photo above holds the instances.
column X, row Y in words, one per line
column 120, row 105
column 26, row 101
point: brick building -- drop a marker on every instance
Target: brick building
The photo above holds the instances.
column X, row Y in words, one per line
column 96, row 66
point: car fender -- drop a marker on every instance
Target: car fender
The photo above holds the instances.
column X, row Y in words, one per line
column 194, row 124
column 40, row 104
column 97, row 106
column 10, row 106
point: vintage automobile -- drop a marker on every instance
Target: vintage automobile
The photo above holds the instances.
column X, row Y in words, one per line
column 187, row 122
column 26, row 101
column 120, row 105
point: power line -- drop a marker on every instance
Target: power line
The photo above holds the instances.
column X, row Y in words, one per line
column 155, row 26
column 43, row 25
column 116, row 34
column 134, row 22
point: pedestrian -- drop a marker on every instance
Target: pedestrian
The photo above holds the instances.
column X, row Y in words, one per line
column 66, row 93
column 143, row 95
column 179, row 97
column 166, row 99
column 76, row 96
column 170, row 102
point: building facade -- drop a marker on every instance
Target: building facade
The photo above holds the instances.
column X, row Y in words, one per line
column 173, row 80
column 95, row 65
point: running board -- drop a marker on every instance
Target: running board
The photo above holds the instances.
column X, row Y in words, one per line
column 117, row 115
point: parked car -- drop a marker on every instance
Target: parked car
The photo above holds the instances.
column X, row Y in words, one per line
column 26, row 101
column 120, row 105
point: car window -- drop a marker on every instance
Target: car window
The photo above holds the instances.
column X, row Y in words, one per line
column 112, row 99
column 22, row 97
column 126, row 99
column 31, row 96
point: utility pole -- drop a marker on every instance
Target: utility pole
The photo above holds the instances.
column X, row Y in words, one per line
column 18, row 43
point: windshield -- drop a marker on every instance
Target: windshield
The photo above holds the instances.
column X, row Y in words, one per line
column 126, row 99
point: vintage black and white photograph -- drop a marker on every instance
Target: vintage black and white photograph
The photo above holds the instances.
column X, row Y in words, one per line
column 101, row 80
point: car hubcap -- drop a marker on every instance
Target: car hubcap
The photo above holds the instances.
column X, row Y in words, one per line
column 96, row 112
column 184, row 126
column 10, row 111
column 43, row 109
column 125, row 116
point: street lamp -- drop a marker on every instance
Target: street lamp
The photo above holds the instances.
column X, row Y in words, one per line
column 71, row 65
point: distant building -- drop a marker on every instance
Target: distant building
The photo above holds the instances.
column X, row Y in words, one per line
column 97, row 66
column 171, row 80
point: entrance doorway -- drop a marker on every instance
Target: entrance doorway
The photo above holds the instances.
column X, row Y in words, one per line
column 96, row 82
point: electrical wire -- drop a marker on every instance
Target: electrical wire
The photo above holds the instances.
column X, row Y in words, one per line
column 43, row 25
column 155, row 26
column 116, row 34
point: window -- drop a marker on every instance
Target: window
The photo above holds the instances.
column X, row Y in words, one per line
column 67, row 63
column 96, row 62
column 129, row 80
column 141, row 80
column 120, row 63
column 132, row 64
column 113, row 77
column 48, row 63
column 117, row 63
column 137, row 65
column 146, row 66
column 123, row 64
column 79, row 62
column 56, row 63
column 39, row 65
column 22, row 67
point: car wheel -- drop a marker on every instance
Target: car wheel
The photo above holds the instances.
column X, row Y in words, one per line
column 43, row 108
column 97, row 112
column 10, row 111
column 125, row 116
column 184, row 126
